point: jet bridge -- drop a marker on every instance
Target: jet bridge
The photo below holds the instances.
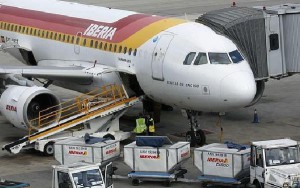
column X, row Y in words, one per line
column 267, row 36
column 103, row 102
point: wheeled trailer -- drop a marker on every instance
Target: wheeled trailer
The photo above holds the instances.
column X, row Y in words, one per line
column 156, row 159
column 223, row 164
column 166, row 178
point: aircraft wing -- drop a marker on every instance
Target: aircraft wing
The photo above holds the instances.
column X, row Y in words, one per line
column 73, row 71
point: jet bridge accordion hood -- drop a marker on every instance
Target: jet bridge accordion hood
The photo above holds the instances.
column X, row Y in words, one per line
column 246, row 28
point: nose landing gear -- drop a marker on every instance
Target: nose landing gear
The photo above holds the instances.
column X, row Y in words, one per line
column 195, row 136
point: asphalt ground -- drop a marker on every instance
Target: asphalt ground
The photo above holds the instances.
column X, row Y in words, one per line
column 278, row 110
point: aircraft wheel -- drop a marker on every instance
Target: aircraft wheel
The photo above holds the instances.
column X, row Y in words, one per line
column 49, row 149
column 200, row 137
column 135, row 182
column 190, row 137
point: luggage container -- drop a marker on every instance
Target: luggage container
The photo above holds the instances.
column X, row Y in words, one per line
column 220, row 164
column 97, row 150
column 150, row 162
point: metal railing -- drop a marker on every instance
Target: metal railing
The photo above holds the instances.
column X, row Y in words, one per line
column 78, row 106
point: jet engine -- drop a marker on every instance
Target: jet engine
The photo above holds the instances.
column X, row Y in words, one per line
column 20, row 104
column 260, row 88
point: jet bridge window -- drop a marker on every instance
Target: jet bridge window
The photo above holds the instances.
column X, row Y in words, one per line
column 219, row 58
column 274, row 42
column 201, row 59
column 189, row 58
column 235, row 56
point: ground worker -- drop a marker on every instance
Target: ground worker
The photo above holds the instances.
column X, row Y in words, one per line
column 140, row 127
column 150, row 125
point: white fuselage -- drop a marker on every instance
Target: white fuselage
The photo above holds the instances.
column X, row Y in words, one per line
column 161, row 46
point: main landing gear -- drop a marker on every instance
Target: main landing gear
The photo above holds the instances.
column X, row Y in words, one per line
column 195, row 136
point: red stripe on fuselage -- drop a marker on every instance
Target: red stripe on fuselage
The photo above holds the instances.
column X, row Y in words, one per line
column 69, row 25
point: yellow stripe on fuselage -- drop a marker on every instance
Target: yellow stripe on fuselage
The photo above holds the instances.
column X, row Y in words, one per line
column 134, row 41
column 148, row 32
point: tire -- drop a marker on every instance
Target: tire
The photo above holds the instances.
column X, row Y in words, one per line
column 49, row 149
column 258, row 185
column 135, row 182
column 200, row 137
column 110, row 136
column 189, row 138
column 167, row 183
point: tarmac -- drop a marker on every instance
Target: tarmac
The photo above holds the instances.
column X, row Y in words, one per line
column 278, row 109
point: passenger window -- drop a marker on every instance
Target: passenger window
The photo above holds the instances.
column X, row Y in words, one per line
column 235, row 56
column 219, row 58
column 110, row 47
column 130, row 50
column 105, row 46
column 125, row 50
column 115, row 48
column 55, row 36
column 189, row 58
column 100, row 47
column 34, row 32
column 72, row 41
column 274, row 41
column 92, row 43
column 135, row 52
column 43, row 33
column 24, row 29
column 120, row 49
column 201, row 59
column 8, row 26
column 51, row 35
column 96, row 44
column 39, row 32
column 59, row 37
column 77, row 40
column 20, row 29
column 11, row 27
column 84, row 42
column 63, row 38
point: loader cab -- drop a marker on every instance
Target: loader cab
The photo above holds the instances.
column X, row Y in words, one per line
column 82, row 175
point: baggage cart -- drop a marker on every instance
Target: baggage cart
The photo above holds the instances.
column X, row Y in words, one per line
column 219, row 164
column 151, row 163
column 96, row 150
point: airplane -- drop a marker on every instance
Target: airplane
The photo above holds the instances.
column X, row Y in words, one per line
column 79, row 47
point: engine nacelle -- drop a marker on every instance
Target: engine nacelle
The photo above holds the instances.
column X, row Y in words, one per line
column 20, row 104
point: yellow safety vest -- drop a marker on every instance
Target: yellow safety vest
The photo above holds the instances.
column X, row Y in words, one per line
column 140, row 126
column 151, row 127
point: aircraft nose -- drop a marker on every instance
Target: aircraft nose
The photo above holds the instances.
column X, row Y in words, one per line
column 238, row 89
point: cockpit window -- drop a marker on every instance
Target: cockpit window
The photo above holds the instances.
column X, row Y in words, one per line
column 219, row 58
column 201, row 59
column 189, row 58
column 235, row 56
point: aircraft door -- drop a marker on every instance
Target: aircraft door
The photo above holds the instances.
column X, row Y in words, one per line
column 77, row 43
column 158, row 56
